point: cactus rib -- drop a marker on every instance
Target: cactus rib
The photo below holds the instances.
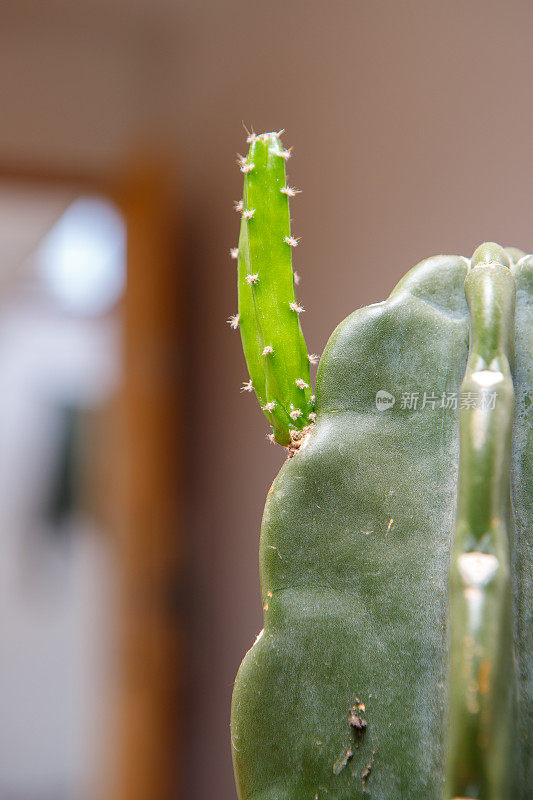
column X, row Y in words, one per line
column 480, row 676
column 272, row 338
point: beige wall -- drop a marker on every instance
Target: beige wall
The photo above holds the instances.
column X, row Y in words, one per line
column 412, row 129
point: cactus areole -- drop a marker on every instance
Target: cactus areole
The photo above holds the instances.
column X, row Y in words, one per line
column 396, row 559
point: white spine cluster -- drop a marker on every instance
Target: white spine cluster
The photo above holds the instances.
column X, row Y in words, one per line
column 296, row 307
column 292, row 241
column 290, row 191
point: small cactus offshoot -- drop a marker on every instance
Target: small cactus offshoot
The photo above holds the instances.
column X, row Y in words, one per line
column 269, row 314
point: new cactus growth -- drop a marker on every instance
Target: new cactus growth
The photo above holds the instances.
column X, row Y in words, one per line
column 396, row 549
column 269, row 314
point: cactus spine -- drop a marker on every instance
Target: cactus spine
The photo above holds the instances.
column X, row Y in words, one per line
column 268, row 318
column 481, row 666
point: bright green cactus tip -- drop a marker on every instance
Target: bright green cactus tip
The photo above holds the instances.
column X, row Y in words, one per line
column 269, row 314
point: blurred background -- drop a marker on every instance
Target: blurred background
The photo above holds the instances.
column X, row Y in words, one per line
column 132, row 471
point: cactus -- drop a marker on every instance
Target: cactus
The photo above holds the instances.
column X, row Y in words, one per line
column 396, row 556
column 481, row 660
column 268, row 318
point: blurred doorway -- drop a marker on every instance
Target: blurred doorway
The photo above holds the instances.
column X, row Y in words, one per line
column 89, row 488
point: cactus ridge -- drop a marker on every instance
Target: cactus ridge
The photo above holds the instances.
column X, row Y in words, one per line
column 481, row 682
column 268, row 318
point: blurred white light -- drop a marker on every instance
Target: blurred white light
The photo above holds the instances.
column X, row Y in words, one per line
column 82, row 260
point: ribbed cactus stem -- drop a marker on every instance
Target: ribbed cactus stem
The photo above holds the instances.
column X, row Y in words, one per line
column 481, row 669
column 272, row 339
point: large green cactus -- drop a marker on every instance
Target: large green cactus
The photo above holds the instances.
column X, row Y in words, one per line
column 396, row 556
